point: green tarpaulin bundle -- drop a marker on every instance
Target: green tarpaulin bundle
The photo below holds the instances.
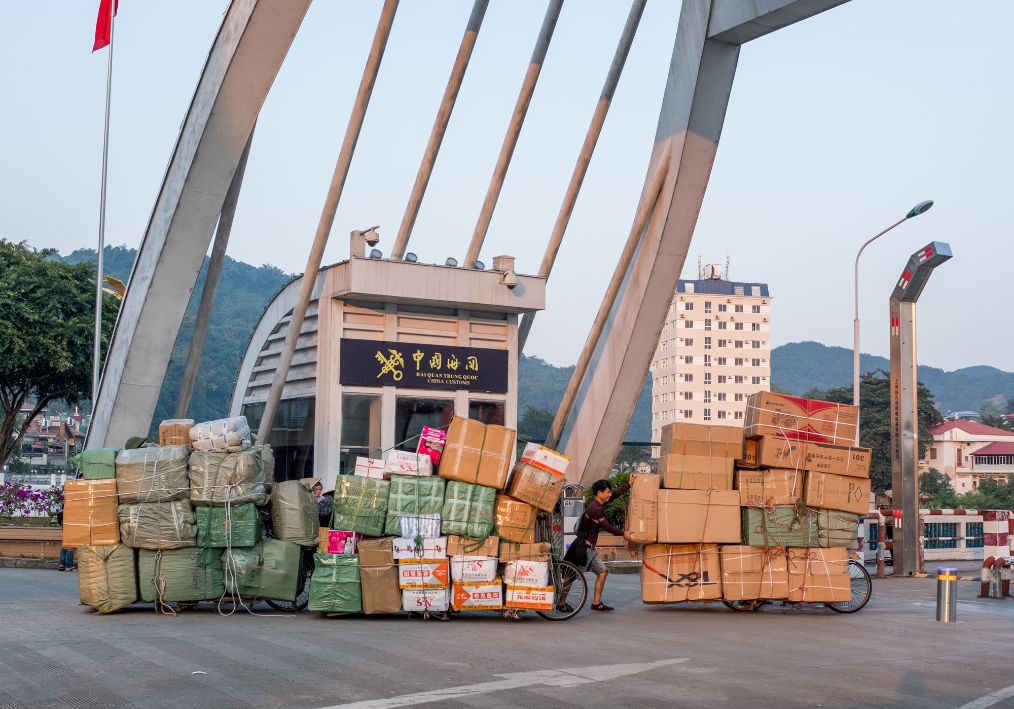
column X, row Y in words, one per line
column 781, row 525
column 179, row 575
column 234, row 525
column 97, row 463
column 270, row 569
column 294, row 513
column 217, row 478
column 152, row 474
column 360, row 505
column 468, row 510
column 158, row 525
column 837, row 529
column 334, row 586
column 107, row 577
column 410, row 496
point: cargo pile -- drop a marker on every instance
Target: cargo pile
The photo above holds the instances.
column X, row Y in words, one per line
column 447, row 526
column 764, row 512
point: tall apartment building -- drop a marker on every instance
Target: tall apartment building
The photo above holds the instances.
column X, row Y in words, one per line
column 714, row 351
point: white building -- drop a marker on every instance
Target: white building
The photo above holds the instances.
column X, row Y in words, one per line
column 968, row 452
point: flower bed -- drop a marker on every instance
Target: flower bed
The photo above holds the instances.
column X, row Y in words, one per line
column 20, row 503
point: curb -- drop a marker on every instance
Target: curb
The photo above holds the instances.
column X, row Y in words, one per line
column 623, row 567
column 16, row 562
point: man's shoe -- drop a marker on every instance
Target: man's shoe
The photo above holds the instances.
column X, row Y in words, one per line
column 601, row 607
column 62, row 568
column 564, row 608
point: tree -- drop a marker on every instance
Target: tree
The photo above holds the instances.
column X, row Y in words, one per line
column 46, row 335
column 534, row 424
column 990, row 495
column 936, row 487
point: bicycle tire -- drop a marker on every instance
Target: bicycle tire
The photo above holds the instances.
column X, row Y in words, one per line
column 862, row 590
column 745, row 605
column 302, row 599
column 571, row 589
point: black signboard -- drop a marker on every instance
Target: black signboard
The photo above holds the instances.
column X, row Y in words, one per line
column 421, row 366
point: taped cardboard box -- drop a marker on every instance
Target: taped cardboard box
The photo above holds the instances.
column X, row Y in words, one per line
column 696, row 472
column 175, row 432
column 642, row 508
column 672, row 573
column 180, row 575
column 334, row 585
column 107, row 576
column 533, row 574
column 360, row 505
column 376, row 552
column 773, row 452
column 819, row 575
column 837, row 492
column 770, row 414
column 783, row 525
column 477, row 596
column 702, row 439
column 409, row 549
column 536, row 486
column 89, row 513
column 468, row 510
column 411, row 496
column 463, row 546
column 473, row 568
column 750, row 573
column 765, row 488
column 838, row 460
column 423, row 574
column 380, row 590
column 695, row 516
column 515, row 520
column 477, row 453
column 545, row 458
column 780, row 452
column 528, row 598
column 152, row 474
column 513, row 551
column 217, row 478
column 837, row 529
column 423, row 600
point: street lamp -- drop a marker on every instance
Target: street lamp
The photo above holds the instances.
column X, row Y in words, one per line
column 915, row 211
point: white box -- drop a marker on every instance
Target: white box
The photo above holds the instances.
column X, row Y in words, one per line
column 479, row 596
column 424, row 599
column 423, row 574
column 531, row 574
column 370, row 468
column 406, row 463
column 545, row 458
column 473, row 568
column 535, row 599
column 425, row 526
column 430, row 549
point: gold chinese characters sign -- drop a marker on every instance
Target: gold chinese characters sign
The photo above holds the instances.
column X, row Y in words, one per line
column 422, row 366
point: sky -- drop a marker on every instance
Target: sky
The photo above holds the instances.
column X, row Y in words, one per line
column 836, row 127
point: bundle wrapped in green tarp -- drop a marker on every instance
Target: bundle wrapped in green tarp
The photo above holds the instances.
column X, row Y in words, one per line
column 781, row 525
column 107, row 577
column 217, row 478
column 468, row 510
column 270, row 569
column 152, row 474
column 294, row 513
column 837, row 529
column 97, row 463
column 410, row 496
column 158, row 525
column 233, row 525
column 334, row 586
column 178, row 575
column 360, row 505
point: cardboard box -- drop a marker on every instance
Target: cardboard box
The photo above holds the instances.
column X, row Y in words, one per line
column 695, row 516
column 426, row 526
column 780, row 452
column 838, row 460
column 695, row 472
column 750, row 573
column 482, row 596
column 682, row 572
column 702, row 439
column 773, row 452
column 407, row 463
column 837, row 492
column 376, row 552
column 773, row 414
column 819, row 575
column 536, row 486
column 476, row 453
column 534, row 599
column 642, row 508
column 512, row 551
column 431, row 443
column 533, row 574
column 344, row 543
column 764, row 488
column 545, row 458
column 473, row 568
column 784, row 525
column 380, row 590
column 515, row 520
column 420, row 600
column 406, row 549
column 423, row 574
column 89, row 514
column 175, row 432
column 463, row 546
column 370, row 468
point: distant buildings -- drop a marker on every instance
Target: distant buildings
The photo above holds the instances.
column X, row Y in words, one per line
column 49, row 441
column 969, row 452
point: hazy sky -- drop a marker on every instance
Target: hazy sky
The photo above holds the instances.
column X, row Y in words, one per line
column 836, row 126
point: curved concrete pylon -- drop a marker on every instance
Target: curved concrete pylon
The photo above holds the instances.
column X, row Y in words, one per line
column 246, row 55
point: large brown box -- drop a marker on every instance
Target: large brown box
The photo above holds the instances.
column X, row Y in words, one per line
column 839, row 460
column 512, row 551
column 702, row 439
column 764, row 488
column 642, row 508
column 536, row 486
column 750, row 573
column 684, row 572
column 696, row 516
column 477, row 453
column 89, row 513
column 379, row 586
column 837, row 492
column 376, row 552
column 463, row 546
column 175, row 432
column 819, row 575
column 696, row 472
column 515, row 520
column 770, row 414
column 779, row 452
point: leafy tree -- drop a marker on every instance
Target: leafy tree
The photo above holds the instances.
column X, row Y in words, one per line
column 534, row 424
column 616, row 508
column 936, row 487
column 46, row 335
column 990, row 495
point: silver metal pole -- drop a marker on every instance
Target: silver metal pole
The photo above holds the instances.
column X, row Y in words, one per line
column 947, row 594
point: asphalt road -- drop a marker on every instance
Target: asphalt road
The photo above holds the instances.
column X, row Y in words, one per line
column 57, row 653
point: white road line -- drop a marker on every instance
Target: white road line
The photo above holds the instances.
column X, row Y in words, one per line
column 990, row 699
column 568, row 677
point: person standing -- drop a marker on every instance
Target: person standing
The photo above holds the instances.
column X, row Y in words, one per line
column 593, row 521
column 66, row 555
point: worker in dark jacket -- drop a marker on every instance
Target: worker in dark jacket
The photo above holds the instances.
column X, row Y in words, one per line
column 594, row 520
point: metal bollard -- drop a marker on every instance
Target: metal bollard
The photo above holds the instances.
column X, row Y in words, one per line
column 947, row 594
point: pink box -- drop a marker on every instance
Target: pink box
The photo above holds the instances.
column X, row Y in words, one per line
column 342, row 542
column 431, row 443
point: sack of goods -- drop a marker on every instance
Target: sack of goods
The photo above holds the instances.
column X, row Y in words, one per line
column 412, row 496
column 152, row 474
column 97, row 463
column 229, row 435
column 108, row 577
column 236, row 478
column 271, row 569
column 360, row 505
column 780, row 526
column 158, row 525
column 175, row 432
column 294, row 513
column 378, row 577
column 180, row 575
column 467, row 510
column 335, row 585
column 477, row 453
column 89, row 513
column 233, row 526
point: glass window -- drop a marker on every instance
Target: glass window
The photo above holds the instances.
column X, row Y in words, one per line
column 488, row 411
column 973, row 535
column 722, row 307
column 941, row 535
column 722, row 325
column 291, row 436
column 360, row 429
column 411, row 414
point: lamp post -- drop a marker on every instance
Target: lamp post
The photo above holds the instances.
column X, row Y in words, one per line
column 915, row 211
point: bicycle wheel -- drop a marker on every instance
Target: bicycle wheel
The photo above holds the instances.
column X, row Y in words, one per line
column 571, row 591
column 751, row 605
column 862, row 589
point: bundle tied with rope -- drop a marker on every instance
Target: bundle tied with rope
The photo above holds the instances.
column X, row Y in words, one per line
column 819, row 575
column 360, row 505
column 294, row 513
column 750, row 573
column 780, row 525
column 269, row 569
column 335, row 585
column 420, row 499
column 218, row 479
column 107, row 576
column 152, row 474
column 228, row 435
column 158, row 525
column 179, row 576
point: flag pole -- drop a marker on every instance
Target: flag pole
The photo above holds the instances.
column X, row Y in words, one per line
column 97, row 358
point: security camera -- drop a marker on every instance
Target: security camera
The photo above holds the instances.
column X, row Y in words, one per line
column 510, row 279
column 372, row 236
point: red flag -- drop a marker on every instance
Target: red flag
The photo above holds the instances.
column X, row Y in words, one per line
column 103, row 25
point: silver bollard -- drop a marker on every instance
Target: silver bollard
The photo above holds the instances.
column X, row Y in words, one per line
column 947, row 594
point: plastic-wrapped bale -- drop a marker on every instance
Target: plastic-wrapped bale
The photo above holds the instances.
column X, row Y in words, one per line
column 837, row 529
column 217, row 478
column 97, row 463
column 158, row 525
column 271, row 569
column 411, row 496
column 360, row 504
column 468, row 510
column 232, row 526
column 229, row 435
column 152, row 474
column 180, row 575
column 335, row 586
column 294, row 513
column 781, row 525
column 107, row 577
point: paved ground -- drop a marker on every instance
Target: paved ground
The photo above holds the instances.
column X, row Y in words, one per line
column 56, row 653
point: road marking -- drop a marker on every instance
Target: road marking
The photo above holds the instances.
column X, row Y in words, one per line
column 990, row 699
column 569, row 677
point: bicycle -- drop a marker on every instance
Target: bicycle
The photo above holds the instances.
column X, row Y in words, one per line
column 860, row 581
